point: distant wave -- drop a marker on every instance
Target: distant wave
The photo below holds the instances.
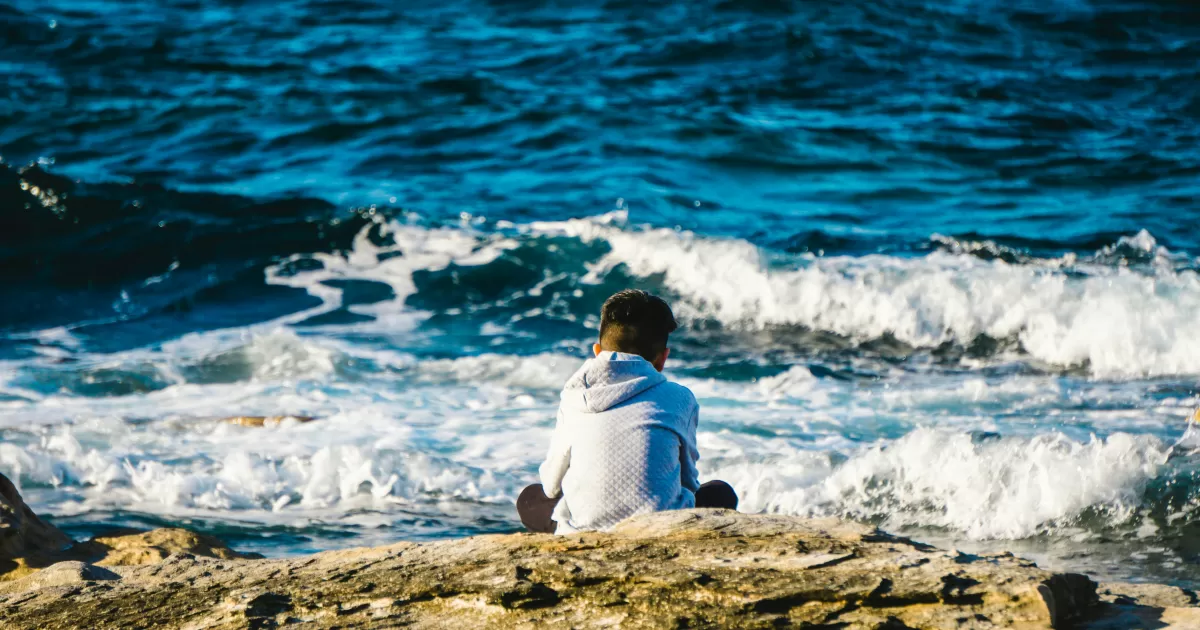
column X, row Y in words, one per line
column 73, row 234
column 1127, row 310
column 73, row 252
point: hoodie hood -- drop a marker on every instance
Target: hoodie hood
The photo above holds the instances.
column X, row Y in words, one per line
column 609, row 380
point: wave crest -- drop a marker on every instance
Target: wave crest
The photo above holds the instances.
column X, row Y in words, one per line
column 1112, row 320
column 981, row 485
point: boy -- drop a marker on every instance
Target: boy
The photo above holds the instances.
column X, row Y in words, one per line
column 625, row 440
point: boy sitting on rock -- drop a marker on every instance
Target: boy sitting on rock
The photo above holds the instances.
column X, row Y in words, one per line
column 625, row 441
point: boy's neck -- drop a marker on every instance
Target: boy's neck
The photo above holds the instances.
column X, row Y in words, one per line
column 659, row 362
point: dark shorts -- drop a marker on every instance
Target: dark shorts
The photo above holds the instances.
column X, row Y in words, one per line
column 537, row 510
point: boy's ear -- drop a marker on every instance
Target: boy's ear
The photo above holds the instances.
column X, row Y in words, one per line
column 661, row 360
column 595, row 349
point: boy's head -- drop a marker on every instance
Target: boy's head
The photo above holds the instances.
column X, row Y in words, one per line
column 636, row 322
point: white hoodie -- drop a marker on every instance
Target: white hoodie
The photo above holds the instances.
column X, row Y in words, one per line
column 624, row 444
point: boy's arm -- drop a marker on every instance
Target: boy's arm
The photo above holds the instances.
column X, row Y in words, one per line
column 688, row 453
column 558, row 459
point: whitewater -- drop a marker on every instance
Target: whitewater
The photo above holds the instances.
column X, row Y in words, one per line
column 971, row 393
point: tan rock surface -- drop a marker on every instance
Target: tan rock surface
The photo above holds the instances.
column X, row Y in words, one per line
column 150, row 547
column 700, row 568
column 28, row 544
column 1147, row 606
column 696, row 568
column 266, row 421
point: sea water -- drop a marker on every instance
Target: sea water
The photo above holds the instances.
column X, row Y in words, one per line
column 935, row 263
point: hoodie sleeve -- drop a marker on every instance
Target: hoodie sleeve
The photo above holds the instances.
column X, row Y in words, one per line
column 689, row 453
column 558, row 459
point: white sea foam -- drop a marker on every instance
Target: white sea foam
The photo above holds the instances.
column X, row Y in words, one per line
column 991, row 488
column 414, row 248
column 540, row 372
column 269, row 354
column 401, row 432
column 468, row 431
column 365, row 459
column 1117, row 321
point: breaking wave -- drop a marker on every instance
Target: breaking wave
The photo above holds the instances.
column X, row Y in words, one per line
column 1127, row 310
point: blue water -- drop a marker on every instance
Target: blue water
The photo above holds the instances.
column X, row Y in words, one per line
column 936, row 262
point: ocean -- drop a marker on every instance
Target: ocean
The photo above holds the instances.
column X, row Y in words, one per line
column 937, row 264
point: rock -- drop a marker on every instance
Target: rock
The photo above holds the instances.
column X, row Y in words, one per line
column 65, row 574
column 692, row 568
column 695, row 568
column 1147, row 606
column 152, row 547
column 29, row 544
column 265, row 421
column 1148, row 594
column 26, row 541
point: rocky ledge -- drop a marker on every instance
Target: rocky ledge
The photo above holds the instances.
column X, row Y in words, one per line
column 697, row 568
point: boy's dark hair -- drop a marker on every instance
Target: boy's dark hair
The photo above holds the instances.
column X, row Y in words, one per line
column 636, row 322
